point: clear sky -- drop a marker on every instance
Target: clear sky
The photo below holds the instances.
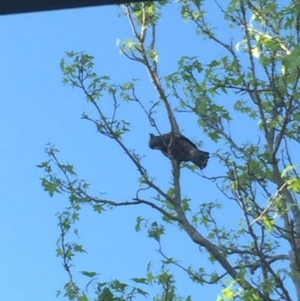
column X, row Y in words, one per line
column 36, row 109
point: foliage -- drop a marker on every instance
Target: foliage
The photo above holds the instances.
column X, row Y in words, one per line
column 259, row 78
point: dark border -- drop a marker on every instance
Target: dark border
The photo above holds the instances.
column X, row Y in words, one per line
column 27, row 6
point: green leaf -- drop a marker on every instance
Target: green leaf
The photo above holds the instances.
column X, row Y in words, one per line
column 140, row 280
column 153, row 55
column 59, row 252
column 70, row 169
column 83, row 298
column 268, row 222
column 150, row 277
column 287, row 170
column 51, row 187
column 89, row 274
column 79, row 248
column 156, row 231
column 62, row 64
column 228, row 293
column 98, row 208
column 142, row 292
column 214, row 63
column 106, row 295
column 215, row 136
column 117, row 285
column 44, row 164
column 186, row 204
column 165, row 278
column 169, row 260
column 138, row 223
column 294, row 185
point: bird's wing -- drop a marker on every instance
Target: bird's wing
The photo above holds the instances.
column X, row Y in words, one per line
column 188, row 141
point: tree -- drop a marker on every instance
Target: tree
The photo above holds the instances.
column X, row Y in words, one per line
column 254, row 82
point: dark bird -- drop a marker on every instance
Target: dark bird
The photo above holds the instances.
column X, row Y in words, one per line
column 181, row 149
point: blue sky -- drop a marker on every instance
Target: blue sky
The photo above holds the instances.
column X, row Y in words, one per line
column 36, row 109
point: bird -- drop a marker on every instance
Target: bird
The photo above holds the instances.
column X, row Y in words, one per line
column 181, row 149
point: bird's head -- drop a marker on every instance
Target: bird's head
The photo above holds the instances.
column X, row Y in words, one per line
column 153, row 141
